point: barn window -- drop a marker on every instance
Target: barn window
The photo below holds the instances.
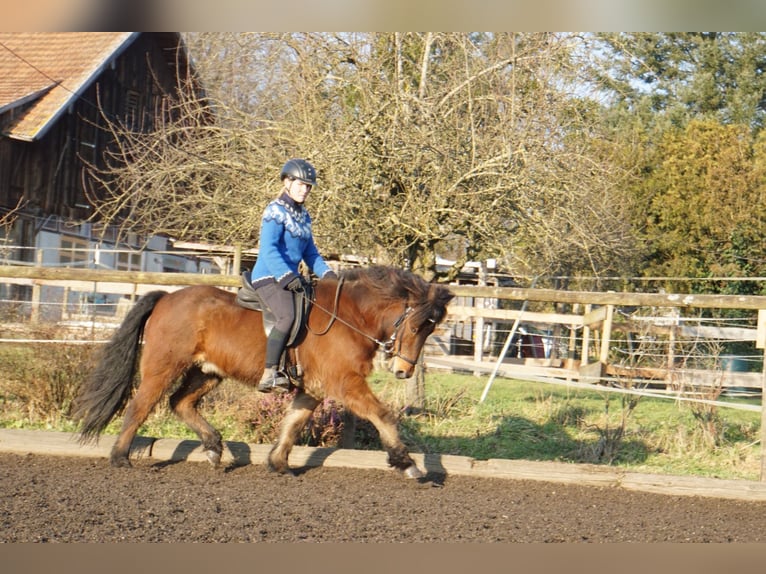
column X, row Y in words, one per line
column 75, row 252
column 128, row 261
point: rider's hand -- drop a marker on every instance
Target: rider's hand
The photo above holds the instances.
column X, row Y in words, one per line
column 295, row 285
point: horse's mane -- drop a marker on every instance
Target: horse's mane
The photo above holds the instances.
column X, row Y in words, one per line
column 388, row 282
column 392, row 283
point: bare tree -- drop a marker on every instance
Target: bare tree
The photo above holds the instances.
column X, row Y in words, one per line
column 8, row 231
column 462, row 145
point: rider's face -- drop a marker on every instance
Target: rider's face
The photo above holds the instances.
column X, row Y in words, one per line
column 297, row 190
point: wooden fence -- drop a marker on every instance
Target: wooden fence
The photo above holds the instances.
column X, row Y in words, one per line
column 635, row 341
column 591, row 331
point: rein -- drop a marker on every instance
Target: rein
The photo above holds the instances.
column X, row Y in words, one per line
column 387, row 347
column 333, row 315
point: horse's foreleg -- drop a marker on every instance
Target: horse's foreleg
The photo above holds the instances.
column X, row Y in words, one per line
column 185, row 401
column 295, row 420
column 360, row 400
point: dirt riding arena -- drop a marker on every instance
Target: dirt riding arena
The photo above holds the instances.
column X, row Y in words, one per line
column 53, row 498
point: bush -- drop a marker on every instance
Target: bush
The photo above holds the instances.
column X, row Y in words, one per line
column 262, row 415
column 42, row 381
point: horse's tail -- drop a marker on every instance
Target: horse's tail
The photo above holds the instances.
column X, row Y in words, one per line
column 110, row 385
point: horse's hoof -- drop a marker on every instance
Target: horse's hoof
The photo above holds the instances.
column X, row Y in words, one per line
column 120, row 462
column 213, row 457
column 413, row 471
column 277, row 468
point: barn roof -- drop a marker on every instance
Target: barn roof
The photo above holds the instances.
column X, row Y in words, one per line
column 41, row 74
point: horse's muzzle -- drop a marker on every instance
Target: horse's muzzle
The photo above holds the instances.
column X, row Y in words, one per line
column 402, row 368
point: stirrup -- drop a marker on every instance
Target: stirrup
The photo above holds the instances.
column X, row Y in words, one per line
column 277, row 382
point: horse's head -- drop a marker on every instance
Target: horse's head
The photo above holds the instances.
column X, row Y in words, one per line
column 395, row 309
column 424, row 311
column 414, row 309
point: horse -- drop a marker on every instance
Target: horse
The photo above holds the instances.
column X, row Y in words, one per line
column 185, row 342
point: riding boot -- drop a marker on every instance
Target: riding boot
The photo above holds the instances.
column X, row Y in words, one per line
column 273, row 379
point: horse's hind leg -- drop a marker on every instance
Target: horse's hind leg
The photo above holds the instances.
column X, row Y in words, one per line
column 360, row 400
column 295, row 420
column 185, row 401
column 147, row 396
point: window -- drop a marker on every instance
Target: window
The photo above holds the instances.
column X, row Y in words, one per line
column 75, row 252
column 128, row 261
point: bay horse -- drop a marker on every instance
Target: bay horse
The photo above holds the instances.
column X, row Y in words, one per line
column 195, row 337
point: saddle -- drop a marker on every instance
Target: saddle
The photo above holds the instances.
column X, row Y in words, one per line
column 248, row 298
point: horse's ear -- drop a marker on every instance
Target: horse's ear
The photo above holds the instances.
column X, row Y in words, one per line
column 440, row 294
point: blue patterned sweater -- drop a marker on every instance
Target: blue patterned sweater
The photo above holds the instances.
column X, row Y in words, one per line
column 286, row 240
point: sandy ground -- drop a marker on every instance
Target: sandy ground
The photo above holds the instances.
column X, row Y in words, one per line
column 67, row 499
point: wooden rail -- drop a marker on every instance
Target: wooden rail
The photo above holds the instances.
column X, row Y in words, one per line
column 47, row 274
column 622, row 299
column 509, row 293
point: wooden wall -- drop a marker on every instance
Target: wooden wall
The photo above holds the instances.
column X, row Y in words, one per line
column 45, row 177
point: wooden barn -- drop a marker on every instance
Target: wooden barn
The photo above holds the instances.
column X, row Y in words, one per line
column 55, row 91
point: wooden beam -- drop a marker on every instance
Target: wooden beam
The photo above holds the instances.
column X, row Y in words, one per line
column 595, row 316
column 760, row 336
column 462, row 312
column 107, row 276
column 509, row 293
column 614, row 298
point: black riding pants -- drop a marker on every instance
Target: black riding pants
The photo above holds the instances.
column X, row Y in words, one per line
column 280, row 303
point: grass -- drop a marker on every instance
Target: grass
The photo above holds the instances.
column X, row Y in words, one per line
column 518, row 419
column 535, row 421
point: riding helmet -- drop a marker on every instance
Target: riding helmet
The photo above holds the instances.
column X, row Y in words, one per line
column 299, row 169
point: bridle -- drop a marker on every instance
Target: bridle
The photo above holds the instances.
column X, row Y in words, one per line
column 386, row 347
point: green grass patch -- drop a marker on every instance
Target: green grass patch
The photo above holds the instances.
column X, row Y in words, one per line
column 538, row 421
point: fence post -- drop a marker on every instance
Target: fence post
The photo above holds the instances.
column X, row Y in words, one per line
column 671, row 355
column 606, row 335
column 585, row 337
column 763, row 417
column 237, row 263
column 478, row 326
column 36, row 290
column 760, row 343
column 572, row 348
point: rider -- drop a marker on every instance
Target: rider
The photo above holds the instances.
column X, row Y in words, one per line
column 285, row 240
